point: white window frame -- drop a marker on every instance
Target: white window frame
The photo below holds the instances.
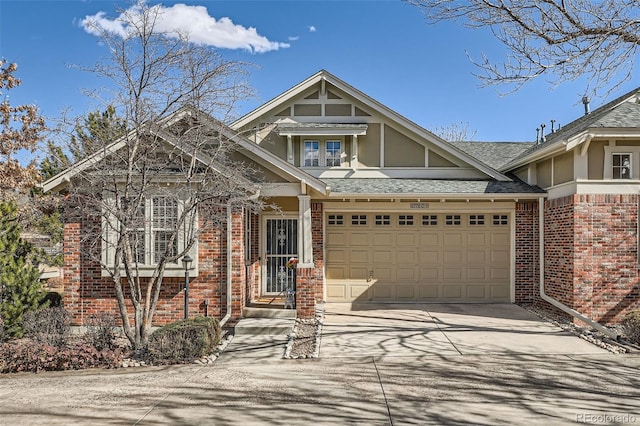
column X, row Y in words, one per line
column 621, row 167
column 174, row 269
column 634, row 160
column 303, row 161
column 323, row 158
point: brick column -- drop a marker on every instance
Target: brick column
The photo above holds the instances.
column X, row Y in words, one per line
column 72, row 271
column 305, row 292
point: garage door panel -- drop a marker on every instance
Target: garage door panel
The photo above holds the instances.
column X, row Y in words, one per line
column 499, row 273
column 478, row 238
column 337, row 272
column 477, row 257
column 452, row 256
column 357, row 272
column 383, row 255
column 431, row 257
column 500, row 239
column 383, row 239
column 454, row 238
column 336, row 239
column 476, row 292
column 406, row 274
column 429, row 273
column 337, row 256
column 359, row 256
column 404, row 257
column 452, row 274
column 383, row 292
column 500, row 257
column 428, row 292
column 499, row 292
column 360, row 239
column 406, row 240
column 452, row 292
column 476, row 274
column 381, row 273
column 430, row 238
column 406, row 292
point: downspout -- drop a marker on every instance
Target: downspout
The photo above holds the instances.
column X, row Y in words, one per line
column 548, row 298
column 224, row 320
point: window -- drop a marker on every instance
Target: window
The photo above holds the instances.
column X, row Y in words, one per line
column 336, row 219
column 165, row 216
column 383, row 219
column 429, row 219
column 452, row 219
column 359, row 219
column 326, row 153
column 500, row 219
column 333, row 153
column 152, row 233
column 476, row 219
column 621, row 166
column 405, row 219
column 311, row 153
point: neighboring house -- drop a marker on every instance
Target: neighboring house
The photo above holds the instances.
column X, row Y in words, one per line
column 376, row 208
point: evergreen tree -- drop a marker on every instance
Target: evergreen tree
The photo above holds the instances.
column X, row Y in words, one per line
column 19, row 276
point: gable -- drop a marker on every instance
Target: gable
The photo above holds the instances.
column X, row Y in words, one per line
column 323, row 113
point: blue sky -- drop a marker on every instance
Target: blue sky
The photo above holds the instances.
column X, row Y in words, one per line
column 383, row 48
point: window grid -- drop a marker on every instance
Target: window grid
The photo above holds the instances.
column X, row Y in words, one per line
column 476, row 219
column 311, row 153
column 452, row 220
column 336, row 219
column 500, row 219
column 621, row 166
column 359, row 219
column 429, row 220
column 383, row 219
column 405, row 219
column 333, row 151
column 164, row 218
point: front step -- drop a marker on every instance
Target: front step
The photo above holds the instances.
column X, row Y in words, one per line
column 264, row 326
column 260, row 312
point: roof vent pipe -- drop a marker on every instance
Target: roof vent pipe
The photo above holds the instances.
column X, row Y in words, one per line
column 542, row 126
column 585, row 102
column 537, row 135
column 553, row 126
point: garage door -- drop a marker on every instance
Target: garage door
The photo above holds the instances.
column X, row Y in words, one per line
column 417, row 257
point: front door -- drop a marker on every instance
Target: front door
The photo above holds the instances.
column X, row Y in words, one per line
column 281, row 245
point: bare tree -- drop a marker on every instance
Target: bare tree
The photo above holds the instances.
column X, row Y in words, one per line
column 564, row 39
column 152, row 191
column 456, row 132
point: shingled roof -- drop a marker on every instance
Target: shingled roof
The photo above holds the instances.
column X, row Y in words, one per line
column 494, row 154
column 377, row 186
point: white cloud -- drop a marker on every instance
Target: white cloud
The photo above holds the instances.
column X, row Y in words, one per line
column 193, row 20
column 294, row 38
column 312, row 28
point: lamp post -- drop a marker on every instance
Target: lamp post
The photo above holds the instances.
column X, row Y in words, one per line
column 186, row 262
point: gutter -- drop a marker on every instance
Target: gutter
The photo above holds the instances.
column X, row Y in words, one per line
column 553, row 301
column 224, row 320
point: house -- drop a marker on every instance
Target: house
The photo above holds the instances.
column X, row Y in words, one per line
column 374, row 207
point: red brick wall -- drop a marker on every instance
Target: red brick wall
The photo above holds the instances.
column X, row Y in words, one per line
column 253, row 264
column 527, row 273
column 591, row 254
column 559, row 251
column 87, row 293
column 606, row 282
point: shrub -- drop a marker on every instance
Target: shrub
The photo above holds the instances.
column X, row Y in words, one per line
column 631, row 326
column 102, row 331
column 184, row 341
column 3, row 336
column 49, row 326
column 30, row 356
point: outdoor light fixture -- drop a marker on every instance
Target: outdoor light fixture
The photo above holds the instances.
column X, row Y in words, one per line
column 186, row 262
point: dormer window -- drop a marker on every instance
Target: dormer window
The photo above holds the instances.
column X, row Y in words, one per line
column 323, row 153
column 621, row 164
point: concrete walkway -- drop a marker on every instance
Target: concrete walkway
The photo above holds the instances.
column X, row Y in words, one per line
column 430, row 389
column 382, row 365
column 371, row 329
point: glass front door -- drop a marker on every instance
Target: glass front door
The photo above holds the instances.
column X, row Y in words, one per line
column 281, row 246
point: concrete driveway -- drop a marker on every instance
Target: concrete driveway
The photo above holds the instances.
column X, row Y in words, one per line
column 397, row 329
